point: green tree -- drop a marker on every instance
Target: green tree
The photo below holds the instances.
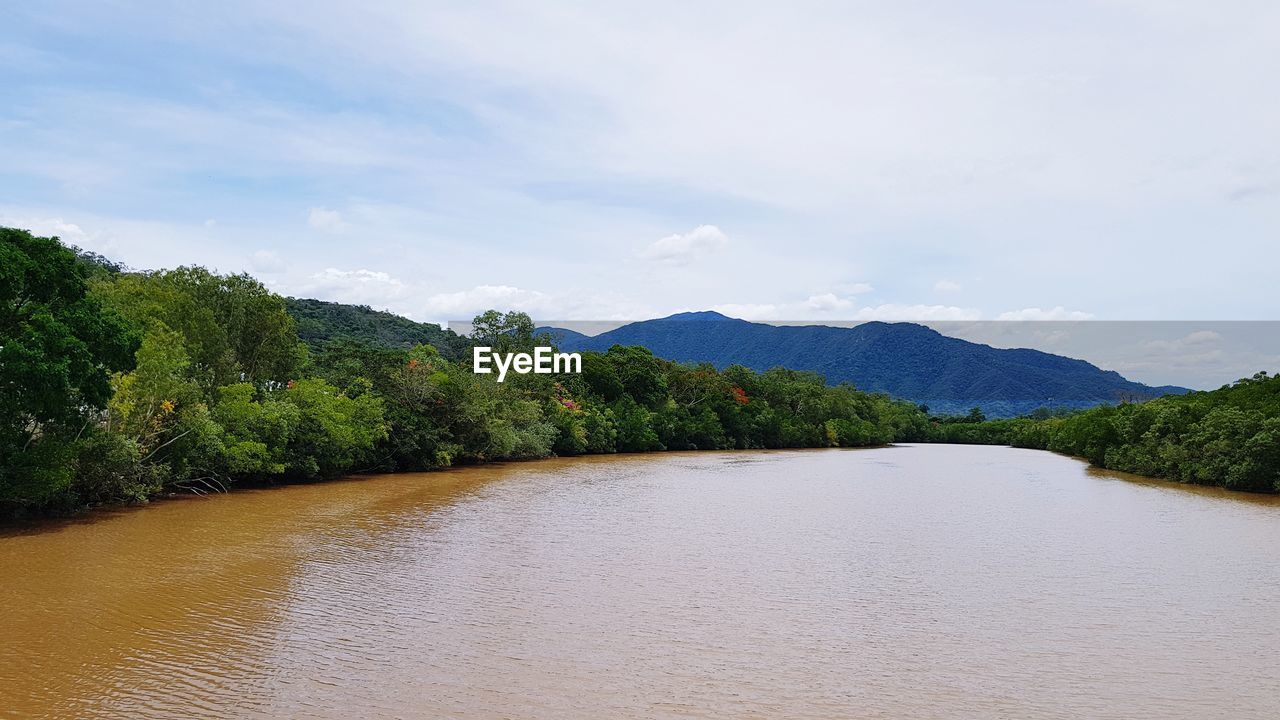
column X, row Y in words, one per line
column 58, row 348
column 504, row 332
column 233, row 328
column 335, row 431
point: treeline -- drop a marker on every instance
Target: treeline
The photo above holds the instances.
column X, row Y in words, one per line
column 1228, row 437
column 120, row 385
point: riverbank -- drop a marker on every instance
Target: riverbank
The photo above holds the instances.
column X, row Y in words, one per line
column 36, row 524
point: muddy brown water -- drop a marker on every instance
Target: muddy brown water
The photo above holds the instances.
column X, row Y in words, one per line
column 927, row 581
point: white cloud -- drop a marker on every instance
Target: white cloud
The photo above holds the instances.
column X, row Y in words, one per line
column 750, row 311
column 360, row 287
column 47, row 226
column 828, row 306
column 69, row 232
column 916, row 313
column 864, row 129
column 267, row 261
column 947, row 286
column 827, row 303
column 326, row 220
column 465, row 304
column 682, row 248
column 1035, row 313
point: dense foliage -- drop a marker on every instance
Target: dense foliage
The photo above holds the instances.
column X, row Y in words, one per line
column 1228, row 437
column 321, row 322
column 119, row 385
column 58, row 346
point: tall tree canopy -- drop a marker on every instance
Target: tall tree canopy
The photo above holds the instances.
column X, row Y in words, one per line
column 57, row 350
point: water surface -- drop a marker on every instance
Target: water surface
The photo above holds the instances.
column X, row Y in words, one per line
column 917, row 581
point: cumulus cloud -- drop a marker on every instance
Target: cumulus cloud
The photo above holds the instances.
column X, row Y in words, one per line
column 947, row 286
column 681, row 248
column 360, row 287
column 828, row 302
column 465, row 304
column 69, row 232
column 47, row 226
column 326, row 220
column 1035, row 313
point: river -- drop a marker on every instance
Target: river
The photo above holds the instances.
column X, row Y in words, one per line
column 929, row 581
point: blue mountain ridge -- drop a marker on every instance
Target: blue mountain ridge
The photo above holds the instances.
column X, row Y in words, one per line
column 905, row 360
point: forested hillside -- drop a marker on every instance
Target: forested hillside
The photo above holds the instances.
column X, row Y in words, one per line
column 320, row 322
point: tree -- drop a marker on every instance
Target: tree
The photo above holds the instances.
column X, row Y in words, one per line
column 58, row 348
column 234, row 329
column 505, row 333
column 334, row 431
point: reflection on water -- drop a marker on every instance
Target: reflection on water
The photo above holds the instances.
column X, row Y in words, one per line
column 917, row 581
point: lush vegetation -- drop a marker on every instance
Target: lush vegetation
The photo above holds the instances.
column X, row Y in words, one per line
column 321, row 322
column 119, row 385
column 1228, row 437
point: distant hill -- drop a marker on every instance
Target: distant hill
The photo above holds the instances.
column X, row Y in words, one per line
column 320, row 322
column 905, row 360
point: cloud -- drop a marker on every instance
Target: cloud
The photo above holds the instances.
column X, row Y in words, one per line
column 865, row 134
column 750, row 311
column 819, row 305
column 360, row 287
column 947, row 286
column 267, row 261
column 916, row 313
column 828, row 306
column 1035, row 313
column 69, row 232
column 47, row 226
column 465, row 304
column 828, row 302
column 1195, row 340
column 326, row 220
column 679, row 249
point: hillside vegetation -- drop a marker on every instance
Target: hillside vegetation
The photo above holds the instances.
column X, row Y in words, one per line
column 319, row 322
column 120, row 385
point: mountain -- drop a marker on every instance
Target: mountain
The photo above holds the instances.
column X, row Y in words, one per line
column 905, row 360
column 320, row 322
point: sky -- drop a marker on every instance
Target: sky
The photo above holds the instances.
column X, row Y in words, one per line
column 1105, row 159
